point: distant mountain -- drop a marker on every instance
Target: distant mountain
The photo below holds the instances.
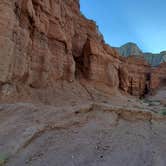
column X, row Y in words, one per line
column 129, row 49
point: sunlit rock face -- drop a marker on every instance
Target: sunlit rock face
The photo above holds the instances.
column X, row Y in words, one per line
column 129, row 49
column 47, row 41
column 155, row 59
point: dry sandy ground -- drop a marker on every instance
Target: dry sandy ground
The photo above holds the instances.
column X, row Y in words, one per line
column 103, row 131
column 92, row 134
column 159, row 96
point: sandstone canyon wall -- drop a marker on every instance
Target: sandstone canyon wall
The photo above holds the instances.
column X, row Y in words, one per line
column 46, row 41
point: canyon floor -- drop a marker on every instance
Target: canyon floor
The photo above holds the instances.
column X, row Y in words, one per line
column 105, row 131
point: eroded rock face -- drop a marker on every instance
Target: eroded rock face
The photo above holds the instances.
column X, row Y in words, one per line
column 39, row 40
column 138, row 76
column 158, row 78
column 45, row 41
column 99, row 64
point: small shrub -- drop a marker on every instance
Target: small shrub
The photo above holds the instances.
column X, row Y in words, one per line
column 3, row 160
column 163, row 112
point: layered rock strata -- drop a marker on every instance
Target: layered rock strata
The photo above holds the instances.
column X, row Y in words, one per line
column 44, row 42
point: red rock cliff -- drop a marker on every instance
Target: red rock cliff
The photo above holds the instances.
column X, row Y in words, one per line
column 43, row 41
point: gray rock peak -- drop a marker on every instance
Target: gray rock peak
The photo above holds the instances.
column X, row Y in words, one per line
column 130, row 49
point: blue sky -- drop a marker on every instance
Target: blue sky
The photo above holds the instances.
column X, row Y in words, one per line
column 121, row 21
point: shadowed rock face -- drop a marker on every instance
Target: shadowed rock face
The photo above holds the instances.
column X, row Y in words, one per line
column 44, row 42
column 39, row 41
column 158, row 76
